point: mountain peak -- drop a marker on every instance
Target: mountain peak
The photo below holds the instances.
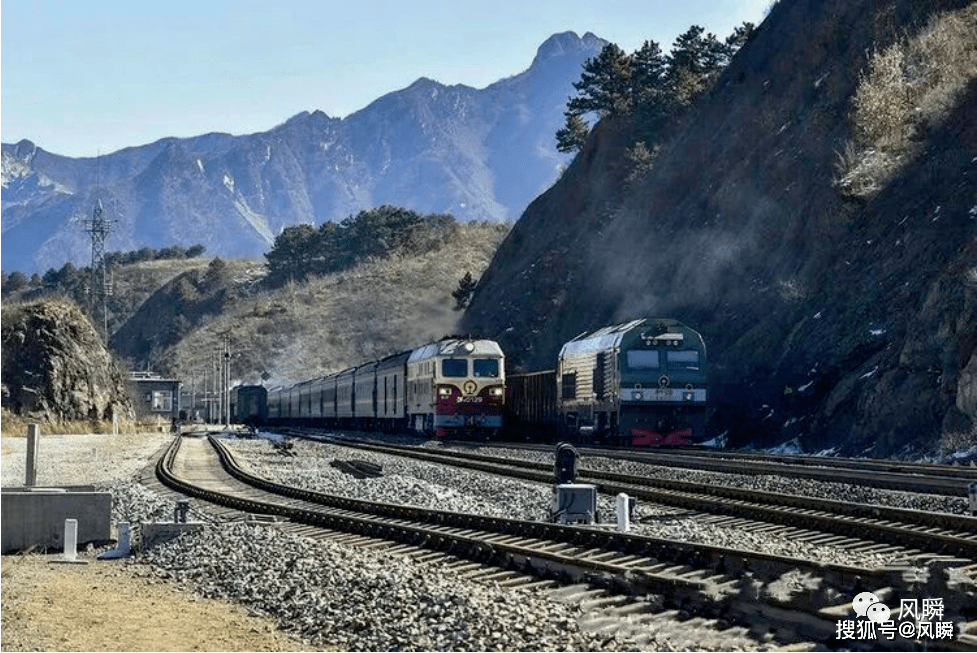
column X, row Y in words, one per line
column 565, row 42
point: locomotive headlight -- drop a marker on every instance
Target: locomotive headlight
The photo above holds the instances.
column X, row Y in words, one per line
column 444, row 391
column 688, row 396
column 496, row 392
column 637, row 395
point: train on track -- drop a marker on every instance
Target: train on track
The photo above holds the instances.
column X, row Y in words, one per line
column 451, row 388
column 640, row 383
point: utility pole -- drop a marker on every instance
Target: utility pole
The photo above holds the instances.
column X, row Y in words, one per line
column 218, row 389
column 227, row 378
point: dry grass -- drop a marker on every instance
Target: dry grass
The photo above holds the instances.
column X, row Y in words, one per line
column 338, row 320
column 955, row 442
column 906, row 87
column 80, row 458
column 16, row 426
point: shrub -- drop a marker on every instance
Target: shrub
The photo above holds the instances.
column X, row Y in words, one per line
column 905, row 87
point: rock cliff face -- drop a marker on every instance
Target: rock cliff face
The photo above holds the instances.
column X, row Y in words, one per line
column 56, row 368
column 846, row 324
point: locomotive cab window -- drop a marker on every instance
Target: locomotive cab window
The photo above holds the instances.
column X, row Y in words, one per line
column 643, row 359
column 454, row 367
column 683, row 360
column 486, row 367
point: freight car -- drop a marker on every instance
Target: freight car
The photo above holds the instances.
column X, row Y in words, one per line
column 454, row 387
column 641, row 383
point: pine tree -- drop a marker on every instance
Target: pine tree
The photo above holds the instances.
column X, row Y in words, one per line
column 290, row 256
column 573, row 136
column 605, row 84
column 649, row 83
column 463, row 294
column 694, row 63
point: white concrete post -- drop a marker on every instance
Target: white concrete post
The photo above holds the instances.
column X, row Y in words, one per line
column 623, row 513
column 124, row 548
column 70, row 539
column 33, row 437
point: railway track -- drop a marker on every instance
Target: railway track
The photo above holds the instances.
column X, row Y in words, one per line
column 726, row 584
column 919, row 532
column 924, row 478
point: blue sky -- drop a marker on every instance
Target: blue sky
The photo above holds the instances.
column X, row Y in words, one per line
column 83, row 77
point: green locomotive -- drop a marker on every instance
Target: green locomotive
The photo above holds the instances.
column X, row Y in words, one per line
column 641, row 383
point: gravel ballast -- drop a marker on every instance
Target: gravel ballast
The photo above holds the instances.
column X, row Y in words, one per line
column 434, row 486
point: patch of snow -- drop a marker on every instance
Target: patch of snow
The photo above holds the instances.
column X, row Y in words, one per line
column 806, row 385
column 718, row 442
column 200, row 164
column 965, row 454
column 255, row 219
column 869, row 373
column 817, row 316
column 791, row 447
column 876, row 332
column 228, row 182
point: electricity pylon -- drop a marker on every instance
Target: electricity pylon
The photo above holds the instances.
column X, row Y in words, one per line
column 99, row 287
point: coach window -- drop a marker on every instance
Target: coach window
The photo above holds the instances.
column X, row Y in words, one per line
column 643, row 359
column 486, row 367
column 454, row 367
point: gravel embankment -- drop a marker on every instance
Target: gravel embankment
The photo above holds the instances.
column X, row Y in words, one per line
column 333, row 596
column 354, row 599
column 437, row 487
column 340, row 597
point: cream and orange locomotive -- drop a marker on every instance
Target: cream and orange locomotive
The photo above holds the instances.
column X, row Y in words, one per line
column 453, row 387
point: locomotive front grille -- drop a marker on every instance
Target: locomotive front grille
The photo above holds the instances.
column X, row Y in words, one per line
column 671, row 395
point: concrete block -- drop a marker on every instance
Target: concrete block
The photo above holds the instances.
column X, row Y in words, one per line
column 155, row 533
column 34, row 517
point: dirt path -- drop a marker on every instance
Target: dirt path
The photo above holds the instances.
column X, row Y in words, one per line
column 107, row 606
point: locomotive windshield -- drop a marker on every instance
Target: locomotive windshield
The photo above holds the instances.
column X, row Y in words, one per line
column 454, row 367
column 643, row 359
column 683, row 360
column 486, row 367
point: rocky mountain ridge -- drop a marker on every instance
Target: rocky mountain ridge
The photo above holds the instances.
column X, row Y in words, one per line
column 478, row 154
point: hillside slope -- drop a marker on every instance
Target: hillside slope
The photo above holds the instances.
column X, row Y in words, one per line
column 848, row 323
column 308, row 329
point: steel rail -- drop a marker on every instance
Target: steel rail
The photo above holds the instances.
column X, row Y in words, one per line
column 926, row 478
column 935, row 532
column 620, row 562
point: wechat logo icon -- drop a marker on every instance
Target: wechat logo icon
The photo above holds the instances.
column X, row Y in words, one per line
column 869, row 606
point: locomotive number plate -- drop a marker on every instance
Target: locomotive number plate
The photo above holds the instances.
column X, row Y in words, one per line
column 469, row 400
